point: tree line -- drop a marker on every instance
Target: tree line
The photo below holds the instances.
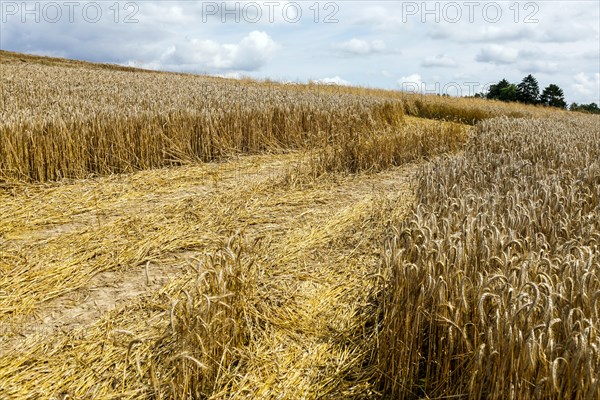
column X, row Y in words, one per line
column 528, row 92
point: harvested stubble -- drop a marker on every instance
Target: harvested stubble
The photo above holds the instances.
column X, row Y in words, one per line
column 50, row 248
column 494, row 287
column 176, row 343
column 302, row 325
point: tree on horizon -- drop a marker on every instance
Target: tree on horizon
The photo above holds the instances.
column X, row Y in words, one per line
column 528, row 91
column 503, row 90
column 494, row 91
column 553, row 96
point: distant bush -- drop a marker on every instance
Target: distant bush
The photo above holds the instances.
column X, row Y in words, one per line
column 591, row 108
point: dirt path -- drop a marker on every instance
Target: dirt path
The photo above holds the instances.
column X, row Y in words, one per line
column 46, row 229
column 85, row 249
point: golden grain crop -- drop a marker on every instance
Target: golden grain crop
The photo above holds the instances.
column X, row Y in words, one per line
column 63, row 119
column 495, row 280
column 61, row 122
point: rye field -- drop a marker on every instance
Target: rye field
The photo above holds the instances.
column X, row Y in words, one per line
column 173, row 236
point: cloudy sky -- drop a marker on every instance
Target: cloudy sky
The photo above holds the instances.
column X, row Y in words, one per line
column 448, row 47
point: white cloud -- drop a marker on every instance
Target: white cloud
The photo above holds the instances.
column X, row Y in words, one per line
column 586, row 85
column 502, row 34
column 531, row 67
column 485, row 34
column 412, row 83
column 336, row 80
column 154, row 65
column 574, row 32
column 230, row 75
column 360, row 47
column 410, row 78
column 250, row 54
column 440, row 60
column 380, row 18
column 223, row 12
column 497, row 54
column 253, row 51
